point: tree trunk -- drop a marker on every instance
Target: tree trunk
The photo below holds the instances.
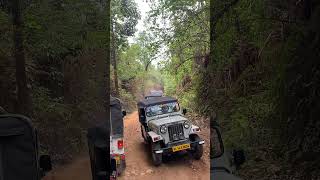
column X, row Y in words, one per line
column 115, row 73
column 147, row 66
column 114, row 62
column 24, row 99
column 212, row 31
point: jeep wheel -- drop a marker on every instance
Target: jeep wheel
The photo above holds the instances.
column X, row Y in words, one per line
column 156, row 157
column 198, row 148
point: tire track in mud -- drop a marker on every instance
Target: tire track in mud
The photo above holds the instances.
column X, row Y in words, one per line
column 139, row 162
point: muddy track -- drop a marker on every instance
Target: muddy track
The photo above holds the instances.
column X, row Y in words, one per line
column 139, row 163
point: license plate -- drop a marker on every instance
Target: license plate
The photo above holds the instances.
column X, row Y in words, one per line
column 117, row 158
column 180, row 147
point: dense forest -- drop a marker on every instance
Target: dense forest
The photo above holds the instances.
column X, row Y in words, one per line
column 252, row 64
column 263, row 82
column 132, row 71
column 53, row 67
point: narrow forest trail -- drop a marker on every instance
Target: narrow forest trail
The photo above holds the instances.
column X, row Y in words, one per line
column 79, row 169
column 139, row 162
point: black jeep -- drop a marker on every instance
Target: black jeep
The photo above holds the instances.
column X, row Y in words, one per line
column 19, row 150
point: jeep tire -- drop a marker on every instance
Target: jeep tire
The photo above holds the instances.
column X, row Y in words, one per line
column 198, row 148
column 156, row 157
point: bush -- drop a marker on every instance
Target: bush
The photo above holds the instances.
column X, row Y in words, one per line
column 65, row 135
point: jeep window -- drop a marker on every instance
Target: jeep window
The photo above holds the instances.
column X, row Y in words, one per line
column 160, row 109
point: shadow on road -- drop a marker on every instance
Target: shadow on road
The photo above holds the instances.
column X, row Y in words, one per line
column 177, row 159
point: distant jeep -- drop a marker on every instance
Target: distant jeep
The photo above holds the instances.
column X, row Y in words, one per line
column 154, row 93
column 166, row 130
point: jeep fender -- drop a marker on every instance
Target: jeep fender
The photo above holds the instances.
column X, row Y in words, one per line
column 194, row 129
column 154, row 136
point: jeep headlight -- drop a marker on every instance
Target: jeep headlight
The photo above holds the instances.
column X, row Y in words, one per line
column 186, row 125
column 163, row 129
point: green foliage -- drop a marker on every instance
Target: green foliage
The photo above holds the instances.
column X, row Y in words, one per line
column 64, row 89
column 264, row 108
column 6, row 34
column 184, row 31
column 52, row 112
column 57, row 29
column 124, row 18
column 148, row 49
column 247, row 121
column 170, row 84
column 186, row 38
column 129, row 65
column 128, row 99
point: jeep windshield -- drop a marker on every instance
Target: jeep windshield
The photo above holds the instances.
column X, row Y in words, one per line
column 164, row 108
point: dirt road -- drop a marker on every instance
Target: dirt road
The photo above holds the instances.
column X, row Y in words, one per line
column 139, row 162
column 79, row 169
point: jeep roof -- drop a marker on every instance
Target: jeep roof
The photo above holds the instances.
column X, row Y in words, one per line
column 154, row 93
column 116, row 121
column 156, row 100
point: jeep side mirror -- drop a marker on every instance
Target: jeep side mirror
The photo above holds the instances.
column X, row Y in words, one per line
column 239, row 157
column 184, row 111
column 124, row 113
column 45, row 163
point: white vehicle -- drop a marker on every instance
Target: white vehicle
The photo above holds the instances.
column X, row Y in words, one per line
column 99, row 147
column 154, row 93
column 166, row 130
column 117, row 153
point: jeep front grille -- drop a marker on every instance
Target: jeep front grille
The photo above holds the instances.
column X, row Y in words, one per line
column 176, row 132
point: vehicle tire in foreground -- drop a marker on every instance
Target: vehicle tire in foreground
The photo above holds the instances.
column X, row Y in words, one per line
column 156, row 157
column 198, row 148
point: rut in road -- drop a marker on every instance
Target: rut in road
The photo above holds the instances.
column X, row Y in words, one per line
column 139, row 161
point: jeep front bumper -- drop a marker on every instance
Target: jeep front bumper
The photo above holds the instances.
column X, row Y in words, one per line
column 169, row 147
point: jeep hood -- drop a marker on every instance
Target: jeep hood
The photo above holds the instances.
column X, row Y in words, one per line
column 166, row 120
